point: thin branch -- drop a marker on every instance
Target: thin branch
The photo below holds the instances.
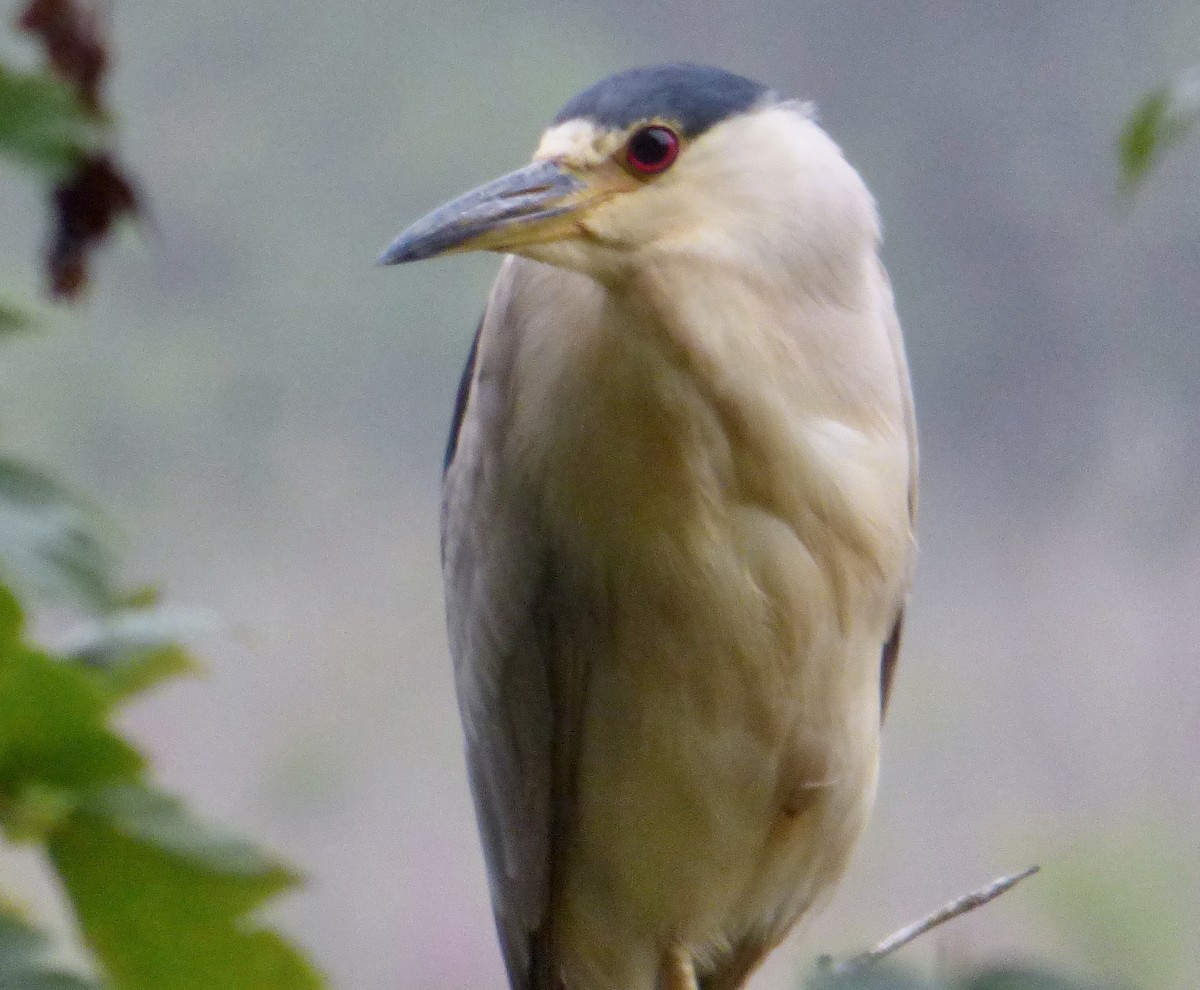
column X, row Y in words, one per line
column 958, row 906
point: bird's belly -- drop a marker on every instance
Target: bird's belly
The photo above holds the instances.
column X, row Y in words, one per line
column 729, row 751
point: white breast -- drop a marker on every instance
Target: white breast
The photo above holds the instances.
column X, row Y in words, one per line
column 736, row 494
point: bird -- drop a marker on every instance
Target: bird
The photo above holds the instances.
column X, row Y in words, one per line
column 678, row 518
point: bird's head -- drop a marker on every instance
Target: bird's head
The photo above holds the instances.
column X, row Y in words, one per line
column 665, row 159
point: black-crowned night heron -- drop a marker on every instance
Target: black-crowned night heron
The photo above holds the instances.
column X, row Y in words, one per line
column 677, row 530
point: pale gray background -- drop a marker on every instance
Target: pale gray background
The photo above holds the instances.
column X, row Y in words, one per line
column 263, row 413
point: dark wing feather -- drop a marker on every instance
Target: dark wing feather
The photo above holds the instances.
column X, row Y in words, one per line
column 519, row 683
column 891, row 649
column 887, row 666
column 460, row 399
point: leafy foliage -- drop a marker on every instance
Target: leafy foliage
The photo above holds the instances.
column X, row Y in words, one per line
column 1164, row 118
column 160, row 897
column 53, row 733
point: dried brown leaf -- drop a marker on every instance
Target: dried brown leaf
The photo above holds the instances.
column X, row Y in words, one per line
column 86, row 206
column 74, row 36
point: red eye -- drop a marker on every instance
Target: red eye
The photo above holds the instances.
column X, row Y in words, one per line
column 652, row 150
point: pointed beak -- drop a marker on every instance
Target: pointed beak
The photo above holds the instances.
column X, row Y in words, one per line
column 530, row 205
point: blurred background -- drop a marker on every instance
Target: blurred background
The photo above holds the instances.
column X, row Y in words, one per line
column 262, row 412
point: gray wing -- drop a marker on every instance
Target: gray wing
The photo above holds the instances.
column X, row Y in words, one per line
column 518, row 683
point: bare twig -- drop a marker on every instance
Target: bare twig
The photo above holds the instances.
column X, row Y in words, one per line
column 958, row 906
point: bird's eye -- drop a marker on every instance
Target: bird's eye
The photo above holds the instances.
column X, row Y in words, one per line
column 652, row 149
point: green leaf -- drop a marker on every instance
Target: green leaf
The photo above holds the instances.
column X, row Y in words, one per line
column 12, row 620
column 43, row 124
column 53, row 731
column 135, row 649
column 36, row 809
column 163, row 823
column 1162, row 119
column 13, row 319
column 27, row 960
column 162, row 898
column 51, row 543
